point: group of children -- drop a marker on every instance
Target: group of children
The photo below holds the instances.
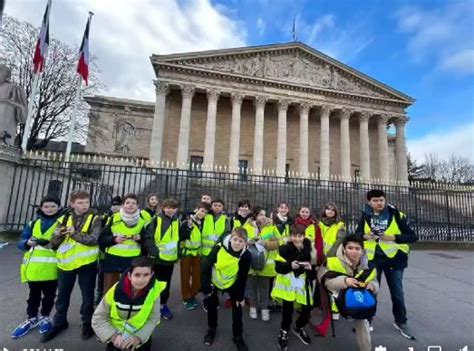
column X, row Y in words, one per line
column 272, row 262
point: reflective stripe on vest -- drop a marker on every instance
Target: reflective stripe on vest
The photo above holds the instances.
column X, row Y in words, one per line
column 225, row 270
column 129, row 248
column 192, row 246
column 390, row 248
column 334, row 264
column 39, row 263
column 72, row 254
column 266, row 233
column 211, row 231
column 329, row 234
column 132, row 325
column 167, row 243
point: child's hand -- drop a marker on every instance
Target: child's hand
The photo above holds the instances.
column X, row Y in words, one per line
column 119, row 239
column 351, row 282
column 118, row 341
column 295, row 265
column 307, row 265
column 131, row 343
column 136, row 237
column 370, row 287
column 31, row 243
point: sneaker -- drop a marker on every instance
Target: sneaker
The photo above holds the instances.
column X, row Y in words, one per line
column 404, row 330
column 194, row 302
column 209, row 338
column 204, row 305
column 189, row 305
column 302, row 335
column 335, row 316
column 228, row 303
column 283, row 340
column 53, row 332
column 265, row 315
column 166, row 313
column 87, row 332
column 240, row 343
column 25, row 327
column 253, row 313
column 45, row 324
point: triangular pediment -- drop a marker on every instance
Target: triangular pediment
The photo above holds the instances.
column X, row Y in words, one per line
column 292, row 63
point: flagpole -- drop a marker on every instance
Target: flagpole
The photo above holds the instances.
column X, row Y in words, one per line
column 73, row 120
column 29, row 116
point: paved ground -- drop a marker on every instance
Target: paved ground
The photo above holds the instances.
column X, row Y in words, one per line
column 438, row 287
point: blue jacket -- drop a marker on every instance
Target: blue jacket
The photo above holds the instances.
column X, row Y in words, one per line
column 46, row 223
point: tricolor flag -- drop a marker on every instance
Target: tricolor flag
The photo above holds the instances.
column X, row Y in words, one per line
column 83, row 65
column 42, row 43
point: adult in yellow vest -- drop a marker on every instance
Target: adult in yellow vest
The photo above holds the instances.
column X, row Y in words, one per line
column 161, row 242
column 39, row 268
column 151, row 209
column 226, row 270
column 332, row 229
column 130, row 311
column 261, row 234
column 349, row 269
column 77, row 252
column 120, row 239
column 387, row 236
column 190, row 262
column 293, row 284
column 306, row 219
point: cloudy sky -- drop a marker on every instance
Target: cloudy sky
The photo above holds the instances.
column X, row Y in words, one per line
column 424, row 48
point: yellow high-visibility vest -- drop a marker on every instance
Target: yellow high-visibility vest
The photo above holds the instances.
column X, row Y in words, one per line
column 39, row 263
column 225, row 270
column 211, row 231
column 266, row 233
column 167, row 243
column 72, row 254
column 192, row 246
column 329, row 234
column 129, row 248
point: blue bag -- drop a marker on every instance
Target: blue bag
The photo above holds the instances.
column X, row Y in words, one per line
column 357, row 303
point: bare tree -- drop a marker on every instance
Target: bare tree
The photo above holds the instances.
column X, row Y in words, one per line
column 57, row 89
column 456, row 169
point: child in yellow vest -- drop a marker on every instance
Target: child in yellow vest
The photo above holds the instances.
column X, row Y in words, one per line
column 306, row 219
column 118, row 319
column 39, row 267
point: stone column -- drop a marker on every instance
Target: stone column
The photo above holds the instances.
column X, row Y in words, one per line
column 185, row 126
column 156, row 143
column 383, row 147
column 345, row 145
column 257, row 165
column 210, row 140
column 281, row 138
column 304, row 125
column 364, row 146
column 237, row 99
column 324, row 140
column 401, row 150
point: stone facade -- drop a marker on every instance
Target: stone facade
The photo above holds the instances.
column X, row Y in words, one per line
column 216, row 107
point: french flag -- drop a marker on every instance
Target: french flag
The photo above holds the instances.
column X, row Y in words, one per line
column 42, row 43
column 83, row 65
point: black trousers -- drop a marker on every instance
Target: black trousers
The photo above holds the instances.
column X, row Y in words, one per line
column 41, row 293
column 212, row 303
column 66, row 280
column 287, row 315
column 145, row 347
column 164, row 273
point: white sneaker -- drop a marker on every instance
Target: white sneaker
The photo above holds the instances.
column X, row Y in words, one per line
column 335, row 316
column 265, row 315
column 253, row 313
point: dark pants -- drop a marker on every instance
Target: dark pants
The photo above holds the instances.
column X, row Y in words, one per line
column 99, row 292
column 66, row 279
column 394, row 279
column 145, row 347
column 212, row 302
column 287, row 315
column 48, row 290
column 164, row 273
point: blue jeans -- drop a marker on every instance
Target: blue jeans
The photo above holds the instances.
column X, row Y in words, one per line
column 394, row 279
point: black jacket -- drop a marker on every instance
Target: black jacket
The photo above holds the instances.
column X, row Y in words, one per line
column 407, row 236
column 290, row 253
column 237, row 290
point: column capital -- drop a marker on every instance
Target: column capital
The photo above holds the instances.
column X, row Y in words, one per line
column 283, row 104
column 326, row 110
column 161, row 87
column 187, row 91
column 260, row 101
column 305, row 107
column 365, row 116
column 213, row 94
column 400, row 121
column 236, row 98
column 383, row 119
column 345, row 114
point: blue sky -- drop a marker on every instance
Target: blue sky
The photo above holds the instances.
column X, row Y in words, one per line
column 422, row 48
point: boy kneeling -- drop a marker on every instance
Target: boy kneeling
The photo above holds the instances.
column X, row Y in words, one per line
column 227, row 268
column 130, row 310
column 349, row 269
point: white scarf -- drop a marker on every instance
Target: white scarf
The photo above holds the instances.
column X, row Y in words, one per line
column 130, row 220
column 282, row 218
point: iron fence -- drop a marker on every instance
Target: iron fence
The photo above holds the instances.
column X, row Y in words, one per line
column 437, row 212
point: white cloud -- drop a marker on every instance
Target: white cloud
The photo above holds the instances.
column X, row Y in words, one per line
column 444, row 143
column 124, row 34
column 462, row 61
column 261, row 26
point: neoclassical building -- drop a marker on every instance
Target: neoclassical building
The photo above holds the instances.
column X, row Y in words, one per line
column 286, row 107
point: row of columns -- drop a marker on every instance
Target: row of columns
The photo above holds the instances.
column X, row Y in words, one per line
column 344, row 115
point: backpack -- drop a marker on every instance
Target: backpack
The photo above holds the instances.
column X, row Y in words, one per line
column 356, row 303
column 258, row 258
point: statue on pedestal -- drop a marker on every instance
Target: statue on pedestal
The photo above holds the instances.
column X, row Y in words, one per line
column 13, row 104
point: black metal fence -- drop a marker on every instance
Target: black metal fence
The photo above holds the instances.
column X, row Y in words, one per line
column 437, row 211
